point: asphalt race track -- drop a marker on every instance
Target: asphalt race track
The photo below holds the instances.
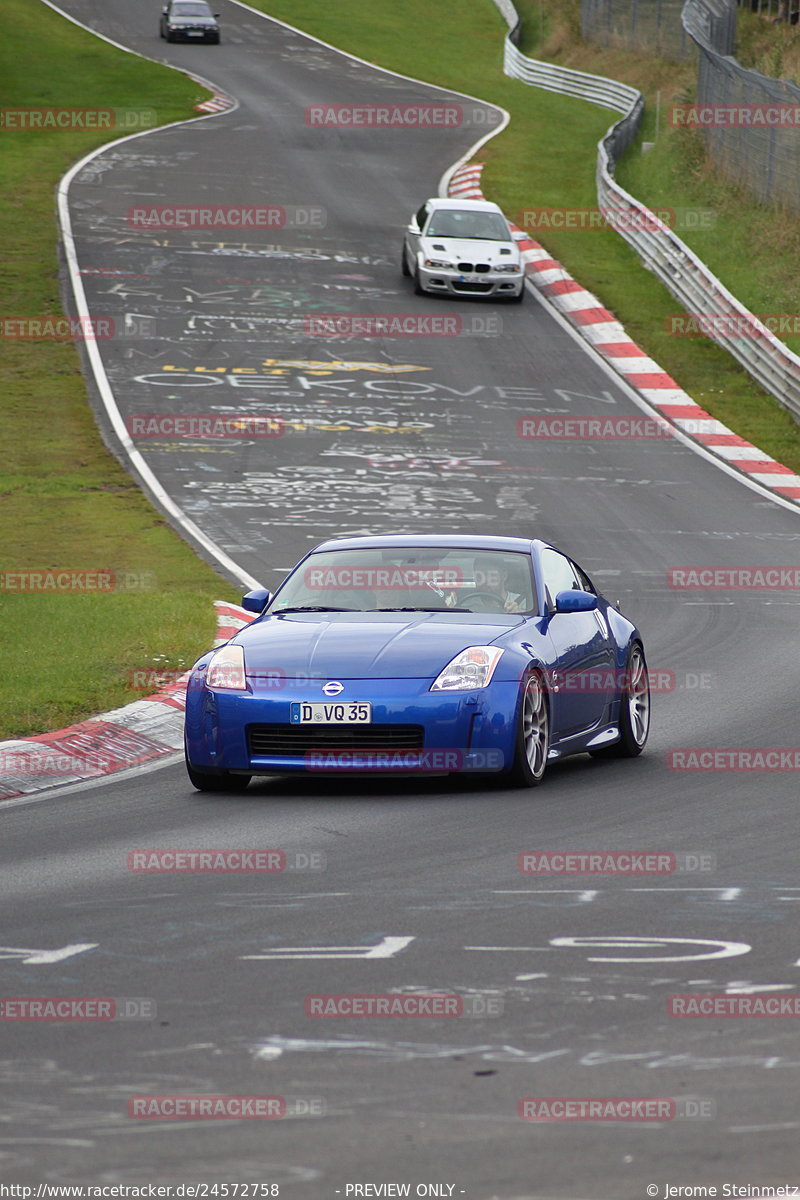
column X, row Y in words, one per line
column 379, row 434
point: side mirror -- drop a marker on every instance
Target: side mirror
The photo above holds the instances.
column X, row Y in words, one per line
column 519, row 235
column 575, row 601
column 165, row 10
column 257, row 600
column 413, row 227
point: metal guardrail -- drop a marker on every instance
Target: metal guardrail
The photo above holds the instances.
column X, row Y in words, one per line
column 509, row 12
column 772, row 364
column 713, row 22
column 594, row 88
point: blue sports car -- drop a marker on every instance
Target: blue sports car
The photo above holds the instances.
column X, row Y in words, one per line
column 419, row 653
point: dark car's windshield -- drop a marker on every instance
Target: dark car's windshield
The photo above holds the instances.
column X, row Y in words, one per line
column 466, row 223
column 408, row 578
column 191, row 10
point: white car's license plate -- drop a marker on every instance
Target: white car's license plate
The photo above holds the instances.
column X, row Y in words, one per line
column 353, row 712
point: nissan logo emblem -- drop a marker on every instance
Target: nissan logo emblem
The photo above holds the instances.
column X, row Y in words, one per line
column 334, row 688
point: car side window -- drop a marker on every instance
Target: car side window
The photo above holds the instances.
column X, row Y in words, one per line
column 422, row 216
column 584, row 582
column 559, row 575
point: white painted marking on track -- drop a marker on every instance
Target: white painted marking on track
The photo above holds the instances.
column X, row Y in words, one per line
column 45, row 1141
column 726, row 893
column 743, row 987
column 386, row 948
column 763, row 1128
column 35, row 958
column 604, row 398
column 584, row 895
column 625, row 942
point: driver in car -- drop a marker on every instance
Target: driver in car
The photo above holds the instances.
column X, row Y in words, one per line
column 491, row 576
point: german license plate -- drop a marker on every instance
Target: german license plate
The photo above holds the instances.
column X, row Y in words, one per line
column 196, row 33
column 353, row 712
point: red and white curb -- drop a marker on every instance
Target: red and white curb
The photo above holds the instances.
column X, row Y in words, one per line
column 230, row 619
column 217, row 103
column 599, row 327
column 141, row 732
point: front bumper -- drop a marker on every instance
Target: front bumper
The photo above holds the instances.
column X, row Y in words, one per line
column 193, row 33
column 464, row 731
column 489, row 283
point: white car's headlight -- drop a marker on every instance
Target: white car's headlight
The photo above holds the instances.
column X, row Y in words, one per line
column 509, row 268
column 439, row 264
column 472, row 668
column 226, row 670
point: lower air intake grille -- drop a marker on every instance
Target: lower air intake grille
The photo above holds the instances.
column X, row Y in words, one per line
column 292, row 740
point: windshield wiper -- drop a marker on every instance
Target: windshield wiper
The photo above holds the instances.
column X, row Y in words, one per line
column 410, row 609
column 312, row 608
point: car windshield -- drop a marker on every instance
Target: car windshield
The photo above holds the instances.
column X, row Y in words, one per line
column 409, row 578
column 191, row 10
column 466, row 223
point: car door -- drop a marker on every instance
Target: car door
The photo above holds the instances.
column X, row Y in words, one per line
column 584, row 651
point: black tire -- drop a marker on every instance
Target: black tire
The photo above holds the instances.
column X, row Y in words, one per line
column 404, row 262
column 169, row 37
column 634, row 715
column 216, row 41
column 222, row 781
column 418, row 288
column 518, row 299
column 533, row 734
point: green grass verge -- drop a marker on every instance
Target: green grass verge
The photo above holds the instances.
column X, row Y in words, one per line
column 65, row 502
column 546, row 158
column 765, row 46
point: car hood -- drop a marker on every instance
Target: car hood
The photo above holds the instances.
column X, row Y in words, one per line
column 364, row 646
column 469, row 250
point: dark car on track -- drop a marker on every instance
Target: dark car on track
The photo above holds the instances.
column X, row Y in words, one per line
column 189, row 21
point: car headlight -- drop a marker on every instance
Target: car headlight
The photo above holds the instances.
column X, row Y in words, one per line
column 440, row 264
column 509, row 269
column 472, row 668
column 226, row 670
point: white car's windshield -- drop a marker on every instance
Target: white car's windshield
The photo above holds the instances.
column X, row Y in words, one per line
column 464, row 223
column 397, row 579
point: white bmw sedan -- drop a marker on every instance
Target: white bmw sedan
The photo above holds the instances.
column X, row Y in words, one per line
column 465, row 248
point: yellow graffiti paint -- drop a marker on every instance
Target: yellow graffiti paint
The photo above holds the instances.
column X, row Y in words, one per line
column 338, row 364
